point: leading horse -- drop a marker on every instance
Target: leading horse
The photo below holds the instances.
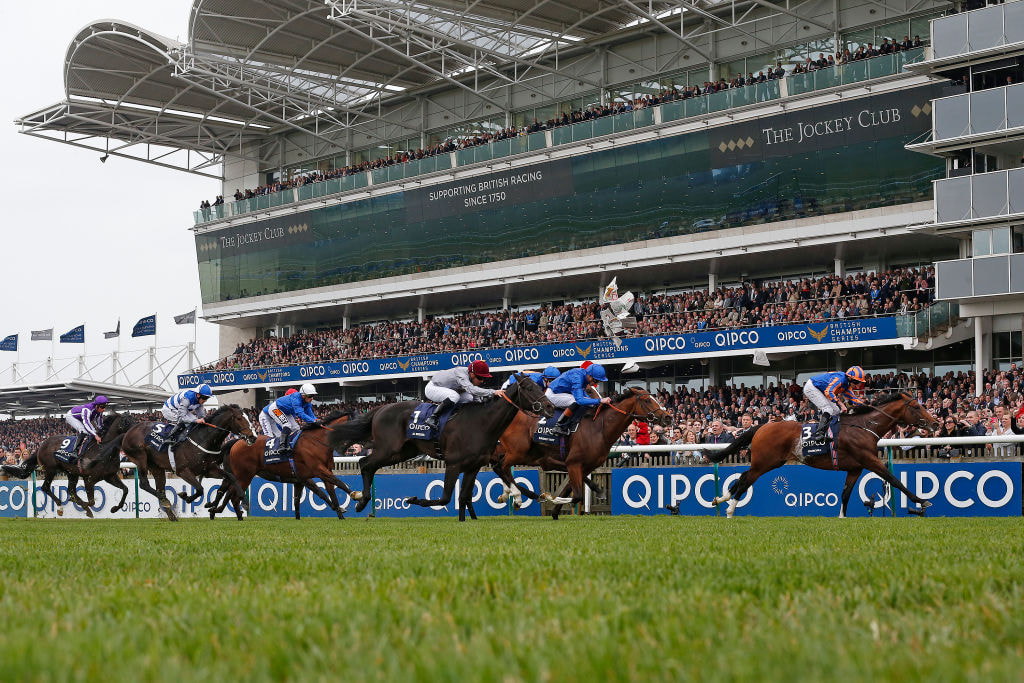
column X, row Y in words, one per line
column 774, row 444
column 194, row 457
column 587, row 449
column 465, row 443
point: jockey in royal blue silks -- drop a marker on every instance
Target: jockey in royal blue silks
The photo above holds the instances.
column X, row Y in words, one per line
column 278, row 418
column 185, row 408
column 542, row 379
column 830, row 392
column 569, row 391
column 86, row 420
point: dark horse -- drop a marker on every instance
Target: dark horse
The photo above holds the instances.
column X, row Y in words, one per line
column 466, row 443
column 313, row 458
column 114, row 425
column 588, row 446
column 196, row 456
column 774, row 444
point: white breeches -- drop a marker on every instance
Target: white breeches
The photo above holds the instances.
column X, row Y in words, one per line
column 815, row 396
column 272, row 425
column 438, row 394
column 76, row 424
column 560, row 400
column 175, row 416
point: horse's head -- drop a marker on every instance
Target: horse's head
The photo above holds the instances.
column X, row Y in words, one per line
column 233, row 419
column 911, row 412
column 647, row 407
column 114, row 424
column 526, row 395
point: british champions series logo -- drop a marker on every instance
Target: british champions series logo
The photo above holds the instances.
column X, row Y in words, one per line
column 818, row 336
column 584, row 351
column 405, row 365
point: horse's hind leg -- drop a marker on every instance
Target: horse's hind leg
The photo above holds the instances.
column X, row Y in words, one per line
column 558, row 496
column 159, row 484
column 872, row 464
column 851, row 480
column 745, row 481
column 73, row 492
column 114, row 480
column 466, row 495
column 297, row 499
column 45, row 486
column 451, row 475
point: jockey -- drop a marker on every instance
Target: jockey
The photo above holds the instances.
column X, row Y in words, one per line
column 570, row 391
column 831, row 391
column 85, row 420
column 542, row 379
column 278, row 418
column 457, row 385
column 185, row 408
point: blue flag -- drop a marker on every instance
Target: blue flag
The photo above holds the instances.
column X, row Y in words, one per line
column 74, row 336
column 145, row 327
column 10, row 343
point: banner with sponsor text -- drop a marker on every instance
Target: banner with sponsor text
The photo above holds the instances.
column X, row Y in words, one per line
column 745, row 340
column 981, row 489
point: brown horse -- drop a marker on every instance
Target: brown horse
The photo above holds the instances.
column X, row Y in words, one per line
column 774, row 444
column 466, row 442
column 114, row 425
column 198, row 455
column 588, row 446
column 313, row 459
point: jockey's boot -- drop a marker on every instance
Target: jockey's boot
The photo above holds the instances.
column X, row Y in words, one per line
column 286, row 435
column 432, row 421
column 822, row 432
column 174, row 437
column 562, row 426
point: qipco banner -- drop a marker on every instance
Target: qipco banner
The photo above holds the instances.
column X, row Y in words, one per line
column 274, row 499
column 955, row 490
column 16, row 500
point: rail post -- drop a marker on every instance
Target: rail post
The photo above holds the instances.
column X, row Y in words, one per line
column 373, row 498
column 892, row 492
column 136, row 493
column 511, row 500
column 35, row 509
column 718, row 492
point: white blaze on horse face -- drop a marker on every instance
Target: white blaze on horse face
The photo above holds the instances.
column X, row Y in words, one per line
column 249, row 422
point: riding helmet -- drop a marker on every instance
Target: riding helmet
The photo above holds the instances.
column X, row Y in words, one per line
column 480, row 369
column 856, row 374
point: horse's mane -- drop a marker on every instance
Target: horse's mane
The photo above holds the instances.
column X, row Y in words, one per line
column 878, row 400
column 337, row 414
column 223, row 409
column 627, row 393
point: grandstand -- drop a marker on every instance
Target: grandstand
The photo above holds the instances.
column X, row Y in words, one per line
column 389, row 167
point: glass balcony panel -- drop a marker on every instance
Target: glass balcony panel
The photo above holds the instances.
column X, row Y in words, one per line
column 1015, row 104
column 360, row 180
column 500, row 149
column 952, row 117
column 911, row 56
column 332, row 186
column 949, row 35
column 1016, row 184
column 380, row 175
column 483, row 153
column 985, row 29
column 885, row 65
column 856, row 71
column 718, row 101
column 561, row 136
column 604, row 126
column 673, row 111
column 463, row 157
column 536, row 141
column 829, row 77
column 800, row 83
column 952, row 199
column 988, row 110
column 584, row 130
column 988, row 195
column 696, row 106
column 643, row 117
column 306, row 191
column 623, row 122
column 1013, row 22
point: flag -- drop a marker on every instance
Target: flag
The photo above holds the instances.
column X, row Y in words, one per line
column 75, row 335
column 10, row 343
column 116, row 332
column 42, row 335
column 186, row 318
column 145, row 327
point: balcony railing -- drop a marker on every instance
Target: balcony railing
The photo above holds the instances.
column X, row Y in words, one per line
column 983, row 195
column 996, row 110
column 821, row 79
column 981, row 29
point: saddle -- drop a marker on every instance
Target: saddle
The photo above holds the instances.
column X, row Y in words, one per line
column 276, row 451
column 416, row 427
column 157, row 437
column 67, row 451
column 810, row 448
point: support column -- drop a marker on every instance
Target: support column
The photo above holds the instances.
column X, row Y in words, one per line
column 714, row 372
column 421, row 314
column 345, row 322
column 982, row 351
column 506, row 302
column 839, row 267
column 712, row 283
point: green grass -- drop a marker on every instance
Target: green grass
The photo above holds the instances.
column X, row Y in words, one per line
column 513, row 599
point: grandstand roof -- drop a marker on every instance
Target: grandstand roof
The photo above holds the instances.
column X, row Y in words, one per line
column 254, row 68
column 56, row 397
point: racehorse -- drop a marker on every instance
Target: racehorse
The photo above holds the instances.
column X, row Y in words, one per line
column 465, row 444
column 588, row 446
column 194, row 457
column 113, row 426
column 313, row 458
column 774, row 444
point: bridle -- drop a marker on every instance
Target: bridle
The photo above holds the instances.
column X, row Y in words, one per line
column 535, row 408
column 633, row 414
column 920, row 423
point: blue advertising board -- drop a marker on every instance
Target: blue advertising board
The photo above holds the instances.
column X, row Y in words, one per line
column 982, row 489
column 274, row 499
column 15, row 499
column 680, row 345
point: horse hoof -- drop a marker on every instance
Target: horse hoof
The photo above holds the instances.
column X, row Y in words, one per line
column 412, row 500
column 60, row 511
column 503, row 498
column 357, row 495
column 88, row 512
column 926, row 504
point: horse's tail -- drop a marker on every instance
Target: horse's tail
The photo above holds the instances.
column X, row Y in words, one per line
column 738, row 444
column 23, row 470
column 354, row 431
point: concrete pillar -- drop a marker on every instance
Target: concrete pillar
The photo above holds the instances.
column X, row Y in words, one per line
column 714, row 372
column 839, row 267
column 505, row 302
column 965, row 248
column 712, row 283
column 982, row 351
column 346, row 322
column 421, row 314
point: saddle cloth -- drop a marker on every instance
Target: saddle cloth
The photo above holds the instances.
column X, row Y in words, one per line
column 416, row 429
column 157, row 437
column 276, row 451
column 810, row 448
column 66, row 449
column 544, row 433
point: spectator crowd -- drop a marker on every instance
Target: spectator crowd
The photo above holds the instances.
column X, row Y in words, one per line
column 594, row 111
column 897, row 291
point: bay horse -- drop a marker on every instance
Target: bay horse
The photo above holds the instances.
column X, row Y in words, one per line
column 313, row 458
column 774, row 444
column 199, row 454
column 113, row 426
column 465, row 443
column 587, row 449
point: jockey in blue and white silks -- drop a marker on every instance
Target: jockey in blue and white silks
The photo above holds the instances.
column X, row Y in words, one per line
column 185, row 408
column 542, row 379
column 277, row 419
column 570, row 391
column 86, row 420
column 829, row 393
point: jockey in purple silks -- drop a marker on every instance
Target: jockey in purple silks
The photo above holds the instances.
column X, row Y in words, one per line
column 86, row 420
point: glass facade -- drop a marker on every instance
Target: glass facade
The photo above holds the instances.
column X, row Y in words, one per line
column 836, row 158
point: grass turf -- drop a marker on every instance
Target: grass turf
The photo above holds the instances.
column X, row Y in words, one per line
column 625, row 598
